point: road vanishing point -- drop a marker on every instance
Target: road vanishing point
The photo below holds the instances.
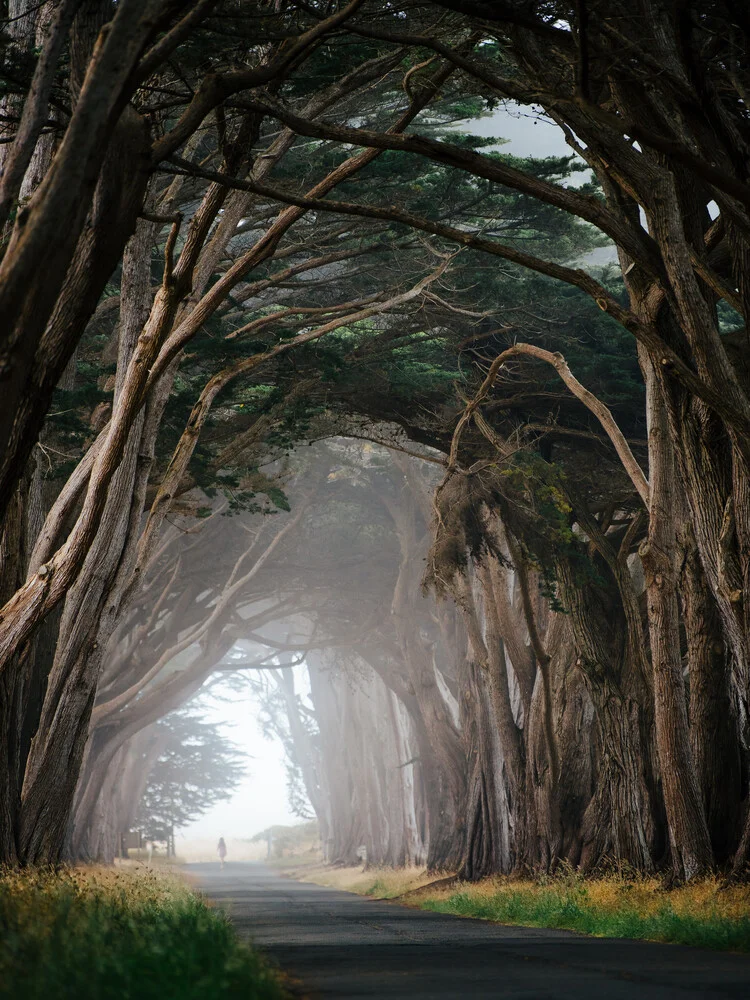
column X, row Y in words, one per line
column 338, row 945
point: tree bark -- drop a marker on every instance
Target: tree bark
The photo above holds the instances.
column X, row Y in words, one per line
column 41, row 251
column 689, row 840
column 714, row 735
column 89, row 615
column 620, row 823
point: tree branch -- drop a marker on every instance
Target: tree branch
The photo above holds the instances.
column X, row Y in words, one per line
column 589, row 400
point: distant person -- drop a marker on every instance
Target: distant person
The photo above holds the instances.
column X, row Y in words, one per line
column 221, row 850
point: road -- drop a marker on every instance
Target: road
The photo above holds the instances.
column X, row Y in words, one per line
column 337, row 945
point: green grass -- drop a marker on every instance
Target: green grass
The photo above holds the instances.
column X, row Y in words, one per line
column 378, row 888
column 120, row 936
column 570, row 908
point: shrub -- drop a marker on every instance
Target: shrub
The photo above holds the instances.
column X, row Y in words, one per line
column 120, row 936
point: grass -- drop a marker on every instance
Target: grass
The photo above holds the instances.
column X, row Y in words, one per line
column 375, row 881
column 104, row 934
column 383, row 883
column 705, row 914
column 622, row 915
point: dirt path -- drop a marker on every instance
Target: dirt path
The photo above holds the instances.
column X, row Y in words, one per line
column 336, row 944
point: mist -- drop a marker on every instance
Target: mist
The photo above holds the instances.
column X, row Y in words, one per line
column 374, row 497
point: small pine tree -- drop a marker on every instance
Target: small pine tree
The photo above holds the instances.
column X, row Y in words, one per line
column 197, row 768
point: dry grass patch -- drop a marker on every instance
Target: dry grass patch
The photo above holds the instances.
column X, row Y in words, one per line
column 645, row 895
column 378, row 882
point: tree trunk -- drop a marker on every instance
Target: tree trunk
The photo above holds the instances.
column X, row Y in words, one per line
column 620, row 823
column 554, row 823
column 495, row 802
column 13, row 556
column 90, row 611
column 688, row 832
column 40, row 259
column 714, row 737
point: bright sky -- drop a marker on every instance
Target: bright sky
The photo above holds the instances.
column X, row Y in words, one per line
column 527, row 134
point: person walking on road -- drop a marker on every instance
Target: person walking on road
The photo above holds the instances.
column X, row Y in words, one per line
column 221, row 850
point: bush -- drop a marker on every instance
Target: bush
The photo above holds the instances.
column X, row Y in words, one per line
column 120, row 936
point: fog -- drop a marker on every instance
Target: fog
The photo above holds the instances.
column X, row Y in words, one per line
column 261, row 800
column 375, row 490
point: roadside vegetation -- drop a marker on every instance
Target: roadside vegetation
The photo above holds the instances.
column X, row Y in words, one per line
column 705, row 913
column 112, row 934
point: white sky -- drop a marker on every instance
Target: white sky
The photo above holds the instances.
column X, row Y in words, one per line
column 527, row 134
column 261, row 799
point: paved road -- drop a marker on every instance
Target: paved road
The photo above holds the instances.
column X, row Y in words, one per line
column 338, row 945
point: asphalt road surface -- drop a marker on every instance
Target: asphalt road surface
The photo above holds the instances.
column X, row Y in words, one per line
column 335, row 944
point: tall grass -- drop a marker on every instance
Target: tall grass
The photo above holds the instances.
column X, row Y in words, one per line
column 624, row 914
column 120, row 936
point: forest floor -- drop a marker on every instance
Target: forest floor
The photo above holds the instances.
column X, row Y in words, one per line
column 115, row 933
column 705, row 914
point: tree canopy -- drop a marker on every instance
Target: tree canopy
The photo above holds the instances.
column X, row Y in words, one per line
column 298, row 369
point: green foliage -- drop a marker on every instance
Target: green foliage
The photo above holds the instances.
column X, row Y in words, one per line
column 411, row 367
column 196, row 768
column 378, row 888
column 64, row 940
column 278, row 498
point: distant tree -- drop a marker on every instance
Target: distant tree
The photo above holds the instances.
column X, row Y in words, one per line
column 197, row 768
column 284, row 716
